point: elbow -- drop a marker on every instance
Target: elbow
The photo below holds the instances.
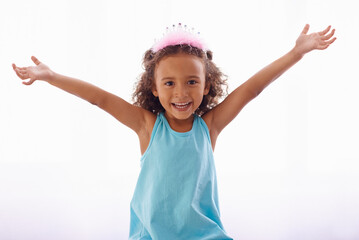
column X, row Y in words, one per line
column 250, row 91
column 100, row 99
column 94, row 103
column 255, row 94
column 98, row 102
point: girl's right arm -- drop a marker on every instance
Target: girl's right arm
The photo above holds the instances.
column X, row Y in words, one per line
column 136, row 118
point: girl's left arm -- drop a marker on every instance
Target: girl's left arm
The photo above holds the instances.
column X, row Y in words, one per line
column 226, row 111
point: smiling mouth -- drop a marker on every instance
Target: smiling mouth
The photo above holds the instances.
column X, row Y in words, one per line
column 182, row 106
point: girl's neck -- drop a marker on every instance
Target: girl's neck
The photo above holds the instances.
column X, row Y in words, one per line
column 180, row 125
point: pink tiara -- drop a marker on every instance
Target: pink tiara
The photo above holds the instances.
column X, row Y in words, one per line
column 180, row 35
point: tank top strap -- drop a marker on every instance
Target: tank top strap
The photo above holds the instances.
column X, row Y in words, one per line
column 154, row 131
column 203, row 125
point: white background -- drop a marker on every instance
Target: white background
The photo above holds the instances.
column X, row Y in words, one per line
column 287, row 166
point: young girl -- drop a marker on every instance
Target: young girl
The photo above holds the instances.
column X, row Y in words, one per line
column 178, row 120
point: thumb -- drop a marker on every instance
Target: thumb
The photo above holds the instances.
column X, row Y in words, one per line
column 305, row 29
column 29, row 82
column 35, row 60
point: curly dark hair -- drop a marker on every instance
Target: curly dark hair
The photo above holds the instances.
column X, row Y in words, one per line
column 143, row 96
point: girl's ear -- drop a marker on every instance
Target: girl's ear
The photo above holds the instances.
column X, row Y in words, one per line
column 154, row 91
column 206, row 89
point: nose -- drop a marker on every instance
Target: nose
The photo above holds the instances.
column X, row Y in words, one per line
column 181, row 91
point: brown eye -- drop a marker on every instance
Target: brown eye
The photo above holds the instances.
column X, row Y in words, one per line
column 192, row 82
column 169, row 83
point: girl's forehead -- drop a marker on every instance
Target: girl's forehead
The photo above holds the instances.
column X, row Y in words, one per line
column 180, row 63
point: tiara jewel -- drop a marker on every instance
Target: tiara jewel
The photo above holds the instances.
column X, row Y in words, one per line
column 180, row 35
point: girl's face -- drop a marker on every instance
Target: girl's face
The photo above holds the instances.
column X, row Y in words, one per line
column 180, row 85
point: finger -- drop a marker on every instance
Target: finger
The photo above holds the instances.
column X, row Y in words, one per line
column 20, row 75
column 28, row 82
column 329, row 36
column 331, row 41
column 326, row 44
column 325, row 31
column 305, row 29
column 19, row 68
column 15, row 67
column 24, row 72
column 322, row 47
column 35, row 60
column 21, row 72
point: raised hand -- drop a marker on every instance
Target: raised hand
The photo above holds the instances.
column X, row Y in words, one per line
column 318, row 40
column 38, row 72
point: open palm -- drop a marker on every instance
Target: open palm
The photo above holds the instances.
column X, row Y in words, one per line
column 38, row 72
column 318, row 40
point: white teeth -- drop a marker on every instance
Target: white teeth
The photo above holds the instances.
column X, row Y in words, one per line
column 181, row 105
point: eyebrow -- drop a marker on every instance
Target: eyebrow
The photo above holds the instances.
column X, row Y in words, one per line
column 171, row 78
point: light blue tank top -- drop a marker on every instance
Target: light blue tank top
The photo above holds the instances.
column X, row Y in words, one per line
column 176, row 192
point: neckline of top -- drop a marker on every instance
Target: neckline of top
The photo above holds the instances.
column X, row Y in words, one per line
column 181, row 134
